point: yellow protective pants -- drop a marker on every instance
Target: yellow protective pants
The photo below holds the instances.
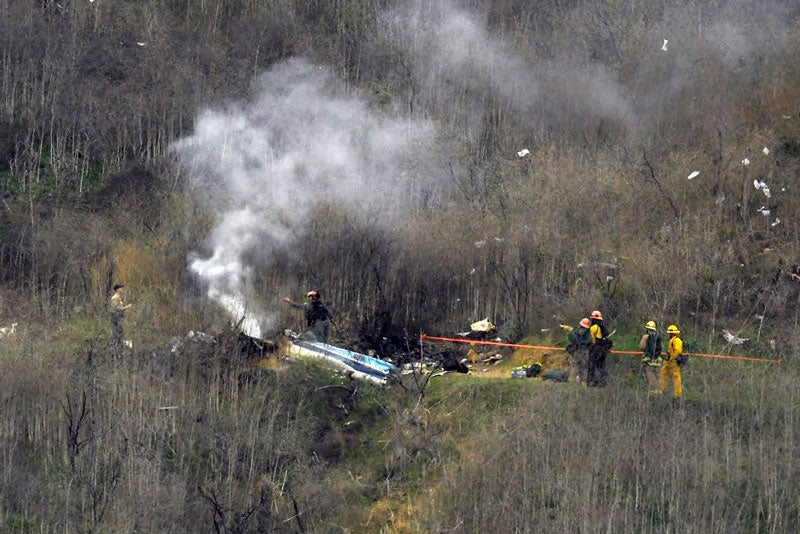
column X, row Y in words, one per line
column 671, row 367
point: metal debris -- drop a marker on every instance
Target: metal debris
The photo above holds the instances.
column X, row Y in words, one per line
column 734, row 340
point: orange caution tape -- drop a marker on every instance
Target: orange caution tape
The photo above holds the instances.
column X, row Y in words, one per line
column 544, row 347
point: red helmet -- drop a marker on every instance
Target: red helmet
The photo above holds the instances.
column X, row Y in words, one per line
column 597, row 315
column 311, row 294
column 585, row 322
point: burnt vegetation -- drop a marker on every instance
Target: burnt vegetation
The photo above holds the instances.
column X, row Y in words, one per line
column 202, row 427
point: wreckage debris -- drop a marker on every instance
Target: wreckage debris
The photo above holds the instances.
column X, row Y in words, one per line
column 732, row 339
column 8, row 331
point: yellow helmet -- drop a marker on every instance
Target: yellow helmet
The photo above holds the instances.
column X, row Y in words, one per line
column 672, row 329
column 650, row 325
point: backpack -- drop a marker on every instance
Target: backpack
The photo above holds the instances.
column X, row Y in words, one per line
column 556, row 375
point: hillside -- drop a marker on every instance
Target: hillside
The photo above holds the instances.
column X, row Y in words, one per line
column 422, row 166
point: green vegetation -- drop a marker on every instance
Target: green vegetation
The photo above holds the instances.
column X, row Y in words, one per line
column 374, row 150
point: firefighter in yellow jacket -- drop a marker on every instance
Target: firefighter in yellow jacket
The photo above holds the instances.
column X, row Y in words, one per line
column 672, row 364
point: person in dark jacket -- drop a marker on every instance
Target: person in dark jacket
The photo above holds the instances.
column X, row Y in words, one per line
column 318, row 318
column 650, row 344
column 601, row 344
column 580, row 339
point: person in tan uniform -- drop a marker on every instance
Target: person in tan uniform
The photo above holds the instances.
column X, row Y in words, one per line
column 118, row 308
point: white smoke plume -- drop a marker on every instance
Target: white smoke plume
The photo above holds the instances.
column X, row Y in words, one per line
column 590, row 64
column 260, row 166
column 454, row 50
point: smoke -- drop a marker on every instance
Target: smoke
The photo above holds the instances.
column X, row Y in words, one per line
column 455, row 52
column 259, row 168
column 576, row 63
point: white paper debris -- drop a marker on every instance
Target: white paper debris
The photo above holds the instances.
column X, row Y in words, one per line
column 763, row 211
column 664, row 46
column 693, row 175
column 524, row 152
column 734, row 340
column 745, row 161
column 609, row 278
column 776, row 222
column 140, row 43
column 762, row 186
column 765, row 150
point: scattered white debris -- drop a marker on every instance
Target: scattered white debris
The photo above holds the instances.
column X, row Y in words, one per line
column 8, row 331
column 776, row 222
column 734, row 340
column 762, row 186
column 140, row 43
column 693, row 175
column 545, row 330
column 664, row 46
column 498, row 239
column 609, row 278
column 772, row 344
column 166, row 408
column 763, row 211
column 719, row 200
column 479, row 244
column 482, row 326
column 524, row 152
column 765, row 150
column 128, row 343
column 745, row 162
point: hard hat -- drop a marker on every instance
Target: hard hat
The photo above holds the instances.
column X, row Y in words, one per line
column 597, row 315
column 650, row 325
column 311, row 294
column 672, row 329
column 585, row 322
